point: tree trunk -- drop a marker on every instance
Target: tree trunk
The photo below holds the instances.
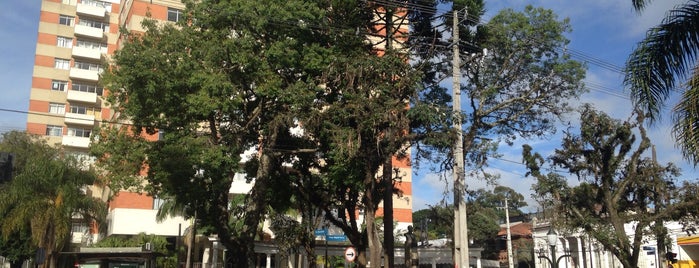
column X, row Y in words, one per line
column 388, row 243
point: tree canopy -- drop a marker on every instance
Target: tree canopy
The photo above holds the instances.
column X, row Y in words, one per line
column 48, row 189
column 619, row 184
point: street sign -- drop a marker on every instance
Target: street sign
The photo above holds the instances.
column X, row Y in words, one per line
column 350, row 254
column 320, row 232
column 336, row 237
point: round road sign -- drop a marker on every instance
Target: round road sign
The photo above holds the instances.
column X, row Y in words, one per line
column 350, row 254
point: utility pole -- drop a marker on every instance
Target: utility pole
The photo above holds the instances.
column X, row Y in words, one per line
column 461, row 256
column 510, row 259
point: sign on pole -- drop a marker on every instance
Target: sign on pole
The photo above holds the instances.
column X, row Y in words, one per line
column 350, row 254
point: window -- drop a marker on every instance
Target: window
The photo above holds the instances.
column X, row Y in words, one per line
column 62, row 64
column 63, row 41
column 79, row 109
column 95, row 3
column 59, row 85
column 79, row 227
column 91, row 88
column 57, row 108
column 88, row 66
column 174, row 14
column 94, row 24
column 52, row 130
column 92, row 45
column 78, row 132
column 158, row 202
column 66, row 20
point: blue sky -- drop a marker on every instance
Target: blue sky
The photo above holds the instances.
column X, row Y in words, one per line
column 603, row 31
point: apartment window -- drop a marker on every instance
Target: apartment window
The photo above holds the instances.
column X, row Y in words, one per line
column 57, row 108
column 66, row 20
column 91, row 88
column 52, row 130
column 78, row 132
column 79, row 227
column 94, row 24
column 59, row 85
column 158, row 202
column 79, row 109
column 63, row 41
column 62, row 64
column 106, row 5
column 91, row 45
column 174, row 14
column 88, row 66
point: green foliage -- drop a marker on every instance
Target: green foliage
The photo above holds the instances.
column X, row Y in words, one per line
column 159, row 244
column 664, row 63
column 45, row 194
column 618, row 184
column 17, row 246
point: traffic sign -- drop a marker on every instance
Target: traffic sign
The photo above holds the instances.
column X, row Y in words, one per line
column 350, row 254
column 336, row 237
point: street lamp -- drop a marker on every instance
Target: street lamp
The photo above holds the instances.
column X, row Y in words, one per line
column 552, row 239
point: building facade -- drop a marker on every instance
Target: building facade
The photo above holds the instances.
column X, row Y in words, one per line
column 75, row 37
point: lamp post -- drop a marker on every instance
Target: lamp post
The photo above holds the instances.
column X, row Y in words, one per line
column 552, row 239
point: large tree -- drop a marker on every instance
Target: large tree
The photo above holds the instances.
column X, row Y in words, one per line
column 620, row 184
column 520, row 88
column 46, row 192
column 234, row 77
column 665, row 62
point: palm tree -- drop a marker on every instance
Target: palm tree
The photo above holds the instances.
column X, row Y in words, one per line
column 663, row 62
column 45, row 194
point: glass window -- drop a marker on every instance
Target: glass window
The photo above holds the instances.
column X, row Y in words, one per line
column 174, row 14
column 78, row 109
column 88, row 66
column 57, row 108
column 66, row 20
column 79, row 227
column 158, row 202
column 62, row 64
column 78, row 132
column 94, row 24
column 52, row 130
column 59, row 85
column 92, row 45
column 91, row 88
column 63, row 41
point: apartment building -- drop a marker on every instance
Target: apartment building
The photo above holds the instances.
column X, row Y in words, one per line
column 67, row 102
column 66, row 99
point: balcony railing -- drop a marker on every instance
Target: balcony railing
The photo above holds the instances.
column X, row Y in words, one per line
column 88, row 31
column 90, row 10
column 80, row 119
column 73, row 141
column 89, row 53
column 82, row 74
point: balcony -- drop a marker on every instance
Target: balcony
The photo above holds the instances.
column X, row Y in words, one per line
column 80, row 119
column 83, row 30
column 131, row 221
column 79, row 142
column 82, row 74
column 88, row 53
column 91, row 10
column 80, row 96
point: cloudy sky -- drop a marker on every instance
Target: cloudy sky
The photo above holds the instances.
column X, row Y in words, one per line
column 604, row 32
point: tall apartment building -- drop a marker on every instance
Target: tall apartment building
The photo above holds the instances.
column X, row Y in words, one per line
column 66, row 100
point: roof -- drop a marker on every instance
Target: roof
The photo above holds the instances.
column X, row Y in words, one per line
column 517, row 229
